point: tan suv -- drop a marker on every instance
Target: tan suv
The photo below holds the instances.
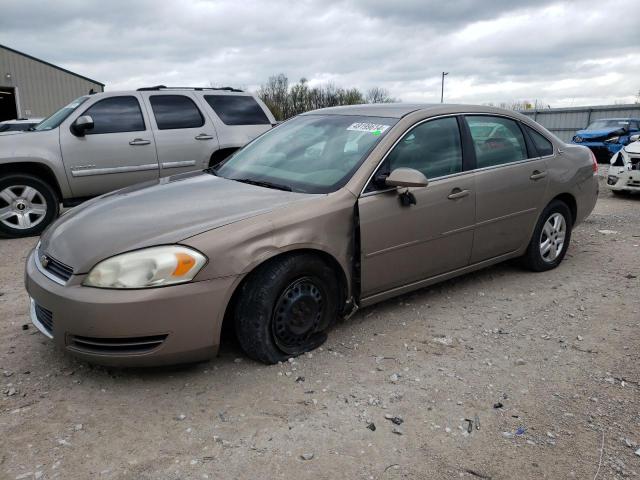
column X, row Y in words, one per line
column 334, row 209
column 109, row 140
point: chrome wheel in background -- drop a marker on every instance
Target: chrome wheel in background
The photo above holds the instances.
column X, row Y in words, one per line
column 22, row 207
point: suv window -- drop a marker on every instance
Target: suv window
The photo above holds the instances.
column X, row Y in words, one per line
column 237, row 110
column 114, row 115
column 543, row 146
column 175, row 111
column 433, row 147
column 496, row 140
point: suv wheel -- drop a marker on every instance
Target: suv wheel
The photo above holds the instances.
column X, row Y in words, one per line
column 27, row 206
column 550, row 239
column 285, row 306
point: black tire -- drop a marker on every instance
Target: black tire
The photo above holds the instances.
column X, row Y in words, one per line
column 285, row 306
column 533, row 258
column 46, row 198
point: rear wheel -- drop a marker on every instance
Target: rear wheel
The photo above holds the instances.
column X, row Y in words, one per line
column 285, row 307
column 550, row 238
column 27, row 205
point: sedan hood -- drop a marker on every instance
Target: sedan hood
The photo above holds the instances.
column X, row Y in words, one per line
column 161, row 212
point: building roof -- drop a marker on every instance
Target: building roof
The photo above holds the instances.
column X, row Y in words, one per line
column 52, row 65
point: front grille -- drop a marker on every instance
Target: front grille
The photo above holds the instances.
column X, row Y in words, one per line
column 45, row 317
column 116, row 346
column 57, row 268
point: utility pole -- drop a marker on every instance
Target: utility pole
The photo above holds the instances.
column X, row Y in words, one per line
column 442, row 90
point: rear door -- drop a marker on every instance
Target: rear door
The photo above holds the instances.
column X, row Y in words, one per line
column 405, row 244
column 511, row 180
column 185, row 138
column 239, row 118
column 118, row 151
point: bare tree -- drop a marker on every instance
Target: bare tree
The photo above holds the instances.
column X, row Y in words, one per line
column 379, row 95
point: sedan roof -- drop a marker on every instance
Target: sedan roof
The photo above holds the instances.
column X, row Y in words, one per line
column 392, row 110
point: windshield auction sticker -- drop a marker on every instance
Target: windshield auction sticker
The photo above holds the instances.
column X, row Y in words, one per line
column 375, row 128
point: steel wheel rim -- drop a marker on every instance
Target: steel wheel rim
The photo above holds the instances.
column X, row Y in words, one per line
column 297, row 315
column 22, row 207
column 552, row 237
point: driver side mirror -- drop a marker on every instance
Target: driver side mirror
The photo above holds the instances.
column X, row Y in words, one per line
column 406, row 177
column 81, row 125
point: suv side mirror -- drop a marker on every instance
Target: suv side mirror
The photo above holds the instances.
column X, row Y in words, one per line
column 406, row 177
column 81, row 125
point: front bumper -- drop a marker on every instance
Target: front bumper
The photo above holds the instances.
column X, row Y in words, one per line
column 602, row 150
column 146, row 327
column 628, row 181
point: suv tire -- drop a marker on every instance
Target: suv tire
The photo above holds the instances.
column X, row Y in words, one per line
column 27, row 205
column 285, row 306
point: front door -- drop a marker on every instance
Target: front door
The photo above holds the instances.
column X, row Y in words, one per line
column 185, row 137
column 118, row 151
column 511, row 180
column 405, row 244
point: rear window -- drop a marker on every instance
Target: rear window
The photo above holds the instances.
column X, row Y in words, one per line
column 175, row 111
column 543, row 146
column 237, row 110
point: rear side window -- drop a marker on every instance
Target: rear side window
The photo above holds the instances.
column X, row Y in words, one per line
column 543, row 146
column 497, row 140
column 237, row 110
column 175, row 111
column 115, row 115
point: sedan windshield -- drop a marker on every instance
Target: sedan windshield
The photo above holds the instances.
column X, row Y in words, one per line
column 309, row 154
column 57, row 118
column 604, row 124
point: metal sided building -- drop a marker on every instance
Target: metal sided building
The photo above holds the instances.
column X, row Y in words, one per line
column 30, row 87
column 565, row 122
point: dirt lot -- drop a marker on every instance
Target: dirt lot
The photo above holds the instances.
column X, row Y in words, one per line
column 558, row 351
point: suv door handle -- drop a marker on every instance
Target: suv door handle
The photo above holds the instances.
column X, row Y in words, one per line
column 204, row 136
column 537, row 175
column 139, row 141
column 457, row 193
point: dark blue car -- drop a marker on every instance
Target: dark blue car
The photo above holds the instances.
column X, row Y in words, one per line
column 607, row 136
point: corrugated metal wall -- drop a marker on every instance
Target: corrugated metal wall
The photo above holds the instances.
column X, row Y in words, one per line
column 564, row 122
column 41, row 88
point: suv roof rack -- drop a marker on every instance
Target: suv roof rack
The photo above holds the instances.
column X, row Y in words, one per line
column 198, row 89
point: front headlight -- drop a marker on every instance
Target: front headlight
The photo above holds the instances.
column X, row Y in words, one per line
column 150, row 267
column 612, row 140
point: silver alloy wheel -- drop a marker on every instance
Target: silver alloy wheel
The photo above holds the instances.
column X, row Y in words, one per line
column 552, row 237
column 22, row 207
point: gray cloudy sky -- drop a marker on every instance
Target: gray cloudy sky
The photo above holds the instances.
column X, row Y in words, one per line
column 562, row 53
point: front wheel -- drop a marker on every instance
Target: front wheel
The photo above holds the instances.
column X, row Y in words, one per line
column 285, row 307
column 550, row 239
column 27, row 206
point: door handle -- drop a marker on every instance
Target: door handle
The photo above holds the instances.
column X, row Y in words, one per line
column 537, row 175
column 204, row 136
column 139, row 141
column 457, row 193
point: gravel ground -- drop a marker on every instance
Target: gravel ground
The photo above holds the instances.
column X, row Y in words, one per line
column 545, row 366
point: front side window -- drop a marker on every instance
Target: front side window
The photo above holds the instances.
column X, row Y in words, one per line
column 58, row 117
column 115, row 115
column 309, row 153
column 175, row 111
column 543, row 146
column 433, row 148
column 237, row 109
column 496, row 140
